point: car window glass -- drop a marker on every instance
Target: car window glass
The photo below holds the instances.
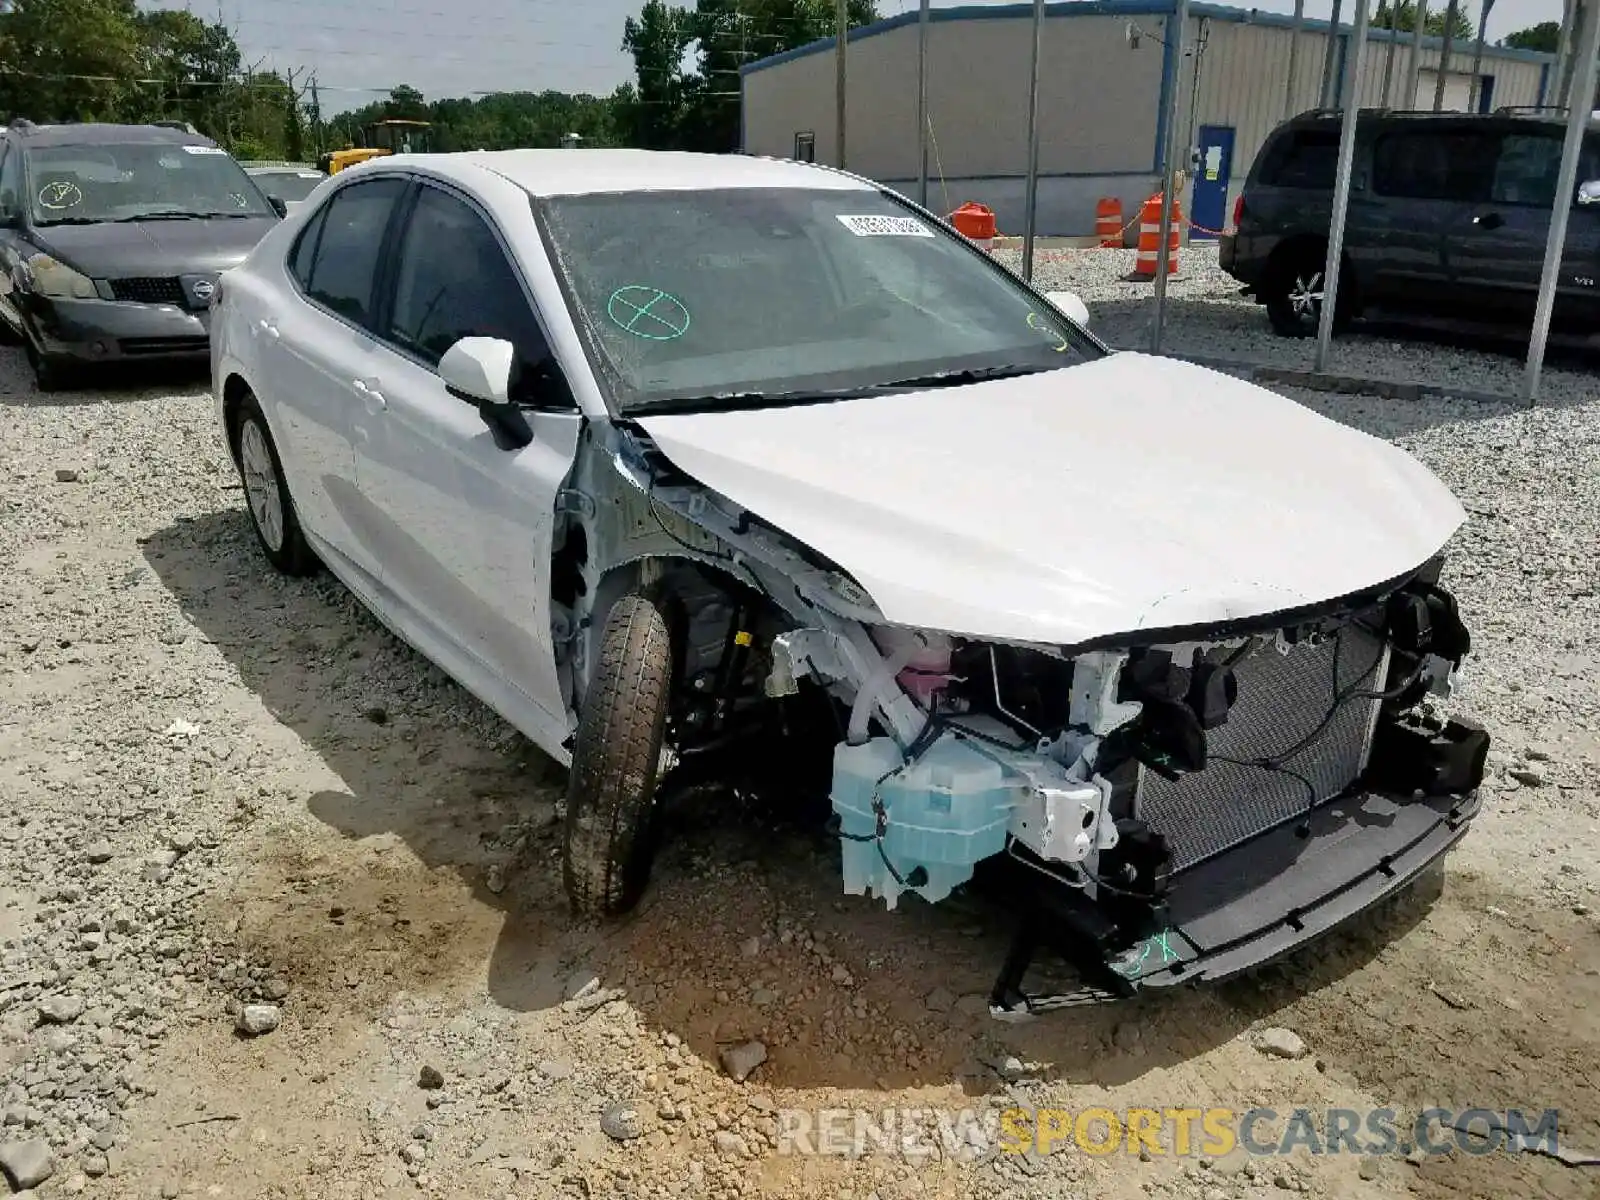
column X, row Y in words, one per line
column 777, row 290
column 347, row 251
column 305, row 248
column 1305, row 159
column 1434, row 165
column 454, row 281
column 1527, row 170
column 11, row 182
column 134, row 180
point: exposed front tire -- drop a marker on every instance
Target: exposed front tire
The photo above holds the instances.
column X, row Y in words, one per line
column 266, row 494
column 1293, row 291
column 610, row 825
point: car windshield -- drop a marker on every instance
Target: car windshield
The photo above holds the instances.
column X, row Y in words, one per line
column 746, row 297
column 132, row 181
column 288, row 185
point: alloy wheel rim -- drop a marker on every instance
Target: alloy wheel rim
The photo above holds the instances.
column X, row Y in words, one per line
column 261, row 485
column 1305, row 297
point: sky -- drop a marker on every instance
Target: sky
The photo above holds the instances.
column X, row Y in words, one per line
column 359, row 49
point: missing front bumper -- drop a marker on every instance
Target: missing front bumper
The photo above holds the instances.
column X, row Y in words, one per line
column 1248, row 906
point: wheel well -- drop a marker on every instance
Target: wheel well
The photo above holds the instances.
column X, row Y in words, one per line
column 1310, row 245
column 234, row 391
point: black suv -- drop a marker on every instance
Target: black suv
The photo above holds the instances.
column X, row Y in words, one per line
column 112, row 238
column 1448, row 217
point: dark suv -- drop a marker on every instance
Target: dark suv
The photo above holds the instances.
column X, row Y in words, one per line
column 112, row 238
column 1448, row 217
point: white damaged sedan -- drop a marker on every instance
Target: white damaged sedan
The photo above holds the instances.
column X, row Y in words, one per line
column 702, row 468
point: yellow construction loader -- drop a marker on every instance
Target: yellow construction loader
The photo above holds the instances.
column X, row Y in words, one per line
column 378, row 139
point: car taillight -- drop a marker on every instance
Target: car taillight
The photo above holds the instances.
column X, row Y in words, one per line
column 1238, row 210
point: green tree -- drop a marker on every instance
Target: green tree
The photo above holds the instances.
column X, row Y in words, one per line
column 698, row 109
column 70, row 59
column 1403, row 16
column 1543, row 37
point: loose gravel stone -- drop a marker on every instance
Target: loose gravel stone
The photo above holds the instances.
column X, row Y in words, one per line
column 256, row 1019
column 741, row 1061
column 1281, row 1043
column 622, row 1122
column 26, row 1164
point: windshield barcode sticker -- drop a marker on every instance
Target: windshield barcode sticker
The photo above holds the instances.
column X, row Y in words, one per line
column 204, row 150
column 885, row 226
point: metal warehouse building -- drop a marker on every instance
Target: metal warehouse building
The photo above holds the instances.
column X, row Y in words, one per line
column 1106, row 70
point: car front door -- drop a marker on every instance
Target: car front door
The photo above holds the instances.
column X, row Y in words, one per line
column 315, row 348
column 1497, row 244
column 464, row 527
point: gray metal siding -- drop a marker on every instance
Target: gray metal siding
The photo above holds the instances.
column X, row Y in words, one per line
column 1098, row 102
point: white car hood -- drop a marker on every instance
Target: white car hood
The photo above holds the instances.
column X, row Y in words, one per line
column 1124, row 494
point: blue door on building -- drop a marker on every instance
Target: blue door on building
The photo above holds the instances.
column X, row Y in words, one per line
column 1208, row 207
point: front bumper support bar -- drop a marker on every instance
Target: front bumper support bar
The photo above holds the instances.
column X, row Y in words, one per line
column 1248, row 906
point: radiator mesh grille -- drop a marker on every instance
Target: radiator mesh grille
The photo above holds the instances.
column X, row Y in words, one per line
column 1282, row 698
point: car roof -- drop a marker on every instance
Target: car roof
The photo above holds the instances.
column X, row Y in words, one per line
column 583, row 172
column 96, row 133
column 1500, row 118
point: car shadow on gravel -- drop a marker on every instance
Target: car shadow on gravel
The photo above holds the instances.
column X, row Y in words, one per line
column 114, row 384
column 744, row 933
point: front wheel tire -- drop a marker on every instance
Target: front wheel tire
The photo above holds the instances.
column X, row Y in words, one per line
column 1294, row 297
column 610, row 822
column 266, row 494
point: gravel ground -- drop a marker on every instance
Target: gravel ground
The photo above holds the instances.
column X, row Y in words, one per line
column 279, row 915
column 1207, row 316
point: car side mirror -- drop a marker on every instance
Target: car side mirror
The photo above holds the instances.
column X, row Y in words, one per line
column 1589, row 194
column 479, row 370
column 279, row 205
column 1071, row 306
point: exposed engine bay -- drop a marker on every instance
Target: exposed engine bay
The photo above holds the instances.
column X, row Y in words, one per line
column 1123, row 786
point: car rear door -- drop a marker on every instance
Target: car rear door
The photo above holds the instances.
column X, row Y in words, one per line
column 462, row 526
column 314, row 344
column 1397, row 222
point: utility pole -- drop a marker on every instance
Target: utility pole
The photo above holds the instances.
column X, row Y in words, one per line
column 316, row 119
column 1414, row 66
column 1294, row 58
column 1444, row 56
column 1177, row 30
column 1551, row 92
column 922, row 104
column 1566, row 189
column 1325, row 99
column 1473, row 101
column 1341, row 186
column 841, row 18
column 1388, row 59
column 1568, row 66
column 1030, row 201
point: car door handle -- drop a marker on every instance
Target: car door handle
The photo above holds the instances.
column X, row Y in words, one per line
column 1491, row 220
column 269, row 327
column 370, row 395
